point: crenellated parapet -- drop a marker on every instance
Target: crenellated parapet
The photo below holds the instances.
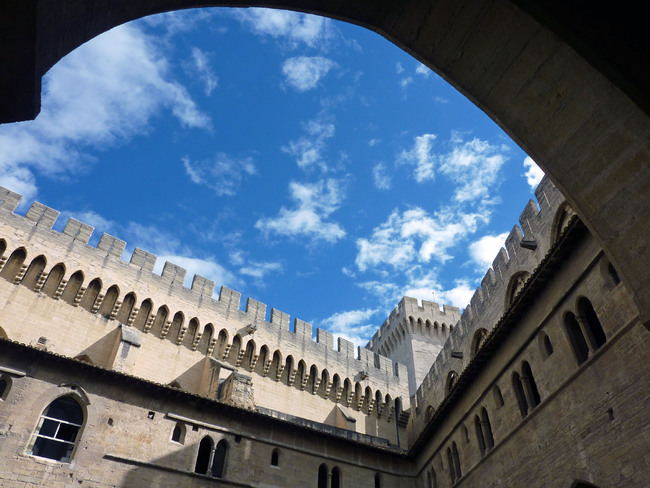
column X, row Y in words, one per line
column 170, row 317
column 525, row 247
column 413, row 334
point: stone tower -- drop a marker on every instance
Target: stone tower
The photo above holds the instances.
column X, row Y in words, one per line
column 413, row 335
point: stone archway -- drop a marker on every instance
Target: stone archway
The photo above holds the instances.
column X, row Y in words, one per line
column 570, row 93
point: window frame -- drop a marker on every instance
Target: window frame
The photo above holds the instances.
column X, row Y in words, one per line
column 36, row 432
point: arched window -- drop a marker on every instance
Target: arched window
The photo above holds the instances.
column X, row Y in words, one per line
column 498, row 397
column 594, row 330
column 450, row 462
column 106, row 308
column 576, row 339
column 13, row 265
column 516, row 284
column 57, row 432
column 336, row 477
column 34, row 272
column 454, row 463
column 322, row 476
column 582, row 484
column 530, row 386
column 377, row 480
column 5, row 386
column 519, row 393
column 561, row 221
column 90, row 296
column 479, row 434
column 451, row 381
column 456, row 459
column 127, row 307
column 487, row 429
column 53, row 279
column 613, row 273
column 203, row 456
column 72, row 287
column 275, row 457
column 545, row 346
column 219, row 461
column 178, row 434
column 479, row 337
column 143, row 314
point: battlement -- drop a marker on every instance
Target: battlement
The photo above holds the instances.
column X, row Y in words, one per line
column 524, row 249
column 416, row 318
column 125, row 290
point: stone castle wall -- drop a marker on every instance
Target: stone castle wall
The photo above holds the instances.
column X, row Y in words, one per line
column 573, row 419
column 524, row 250
column 127, row 437
column 84, row 300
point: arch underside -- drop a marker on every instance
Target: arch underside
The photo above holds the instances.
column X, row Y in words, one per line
column 570, row 93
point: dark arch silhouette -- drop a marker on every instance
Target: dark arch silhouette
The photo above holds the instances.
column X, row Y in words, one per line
column 602, row 100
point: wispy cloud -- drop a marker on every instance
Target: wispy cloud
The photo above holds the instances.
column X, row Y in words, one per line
column 422, row 70
column 308, row 149
column 352, row 325
column 101, row 94
column 297, row 28
column 314, row 204
column 304, row 72
column 534, row 173
column 381, row 178
column 223, row 174
column 421, row 156
column 201, row 67
column 472, row 165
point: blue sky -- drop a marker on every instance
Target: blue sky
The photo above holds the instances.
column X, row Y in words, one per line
column 307, row 163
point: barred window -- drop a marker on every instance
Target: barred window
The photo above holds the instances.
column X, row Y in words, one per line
column 57, row 432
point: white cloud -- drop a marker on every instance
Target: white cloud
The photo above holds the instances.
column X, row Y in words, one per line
column 201, row 66
column 534, row 173
column 373, row 142
column 399, row 68
column 381, row 177
column 178, row 20
column 312, row 30
column 101, row 94
column 474, row 166
column 308, row 150
column 314, row 203
column 423, row 70
column 223, row 174
column 485, row 250
column 421, row 156
column 351, row 325
column 304, row 72
column 415, row 236
column 404, row 82
column 21, row 180
column 458, row 296
column 259, row 270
